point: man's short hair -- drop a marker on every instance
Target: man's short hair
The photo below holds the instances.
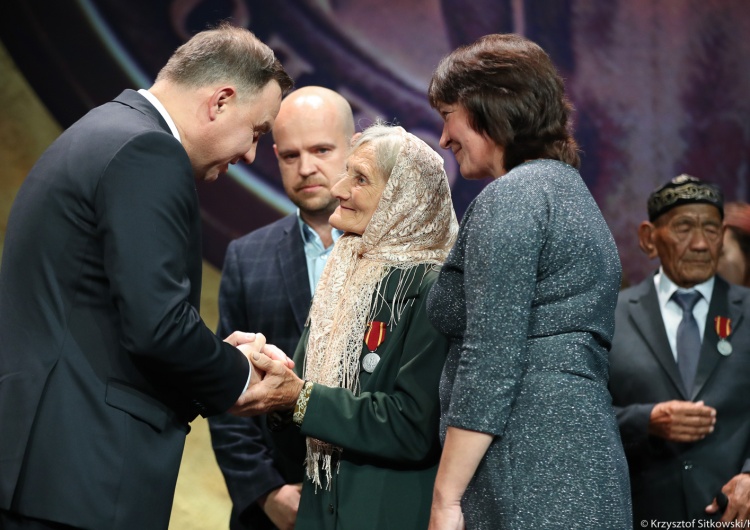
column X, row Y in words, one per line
column 225, row 54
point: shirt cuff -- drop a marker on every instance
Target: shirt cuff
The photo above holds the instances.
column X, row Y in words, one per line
column 249, row 376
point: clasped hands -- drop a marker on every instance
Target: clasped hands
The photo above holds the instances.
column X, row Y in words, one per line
column 273, row 385
column 686, row 422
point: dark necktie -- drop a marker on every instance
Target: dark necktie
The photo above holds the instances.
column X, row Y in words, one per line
column 688, row 338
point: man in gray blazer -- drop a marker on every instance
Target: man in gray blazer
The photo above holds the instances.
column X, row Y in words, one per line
column 680, row 367
column 267, row 283
column 104, row 358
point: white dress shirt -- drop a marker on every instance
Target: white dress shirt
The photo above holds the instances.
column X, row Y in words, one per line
column 164, row 114
column 671, row 312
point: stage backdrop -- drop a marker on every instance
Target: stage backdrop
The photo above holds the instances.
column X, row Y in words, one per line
column 660, row 87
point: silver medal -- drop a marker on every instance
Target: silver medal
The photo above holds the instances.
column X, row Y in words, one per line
column 724, row 347
column 370, row 361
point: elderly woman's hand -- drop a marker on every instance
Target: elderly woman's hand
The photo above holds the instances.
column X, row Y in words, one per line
column 278, row 388
column 249, row 344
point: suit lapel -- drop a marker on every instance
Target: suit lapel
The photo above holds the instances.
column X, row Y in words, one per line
column 721, row 305
column 646, row 315
column 291, row 256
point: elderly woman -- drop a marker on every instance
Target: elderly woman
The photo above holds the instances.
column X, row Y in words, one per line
column 370, row 359
column 527, row 297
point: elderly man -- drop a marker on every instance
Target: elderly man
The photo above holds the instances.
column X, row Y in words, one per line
column 267, row 284
column 680, row 367
column 104, row 358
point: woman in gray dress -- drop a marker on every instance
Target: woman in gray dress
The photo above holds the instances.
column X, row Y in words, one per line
column 527, row 296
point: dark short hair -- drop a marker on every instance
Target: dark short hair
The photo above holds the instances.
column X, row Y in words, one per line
column 226, row 54
column 513, row 95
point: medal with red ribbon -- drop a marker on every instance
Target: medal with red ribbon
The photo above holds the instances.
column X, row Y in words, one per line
column 723, row 327
column 374, row 337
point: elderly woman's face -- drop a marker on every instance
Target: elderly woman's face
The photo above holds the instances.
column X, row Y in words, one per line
column 478, row 156
column 358, row 192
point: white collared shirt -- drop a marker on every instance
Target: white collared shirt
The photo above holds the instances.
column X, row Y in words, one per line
column 164, row 114
column 671, row 312
column 316, row 253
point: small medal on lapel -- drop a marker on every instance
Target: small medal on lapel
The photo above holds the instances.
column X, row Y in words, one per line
column 374, row 337
column 723, row 327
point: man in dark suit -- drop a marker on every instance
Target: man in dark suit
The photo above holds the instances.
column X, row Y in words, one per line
column 267, row 283
column 680, row 367
column 104, row 358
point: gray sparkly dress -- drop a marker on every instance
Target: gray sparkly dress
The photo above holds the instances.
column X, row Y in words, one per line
column 527, row 297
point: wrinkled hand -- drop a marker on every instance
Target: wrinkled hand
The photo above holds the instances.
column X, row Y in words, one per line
column 277, row 354
column 682, row 421
column 240, row 338
column 278, row 388
column 249, row 350
column 269, row 350
column 281, row 505
column 737, row 491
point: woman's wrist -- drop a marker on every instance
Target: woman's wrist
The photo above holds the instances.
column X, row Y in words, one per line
column 300, row 407
column 445, row 493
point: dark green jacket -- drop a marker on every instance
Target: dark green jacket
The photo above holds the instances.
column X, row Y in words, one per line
column 389, row 432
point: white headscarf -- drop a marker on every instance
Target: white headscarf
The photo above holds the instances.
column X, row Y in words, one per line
column 413, row 224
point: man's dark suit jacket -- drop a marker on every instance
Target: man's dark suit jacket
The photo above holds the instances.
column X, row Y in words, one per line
column 676, row 481
column 103, row 356
column 265, row 288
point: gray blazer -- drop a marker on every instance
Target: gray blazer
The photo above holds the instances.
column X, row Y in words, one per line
column 676, row 481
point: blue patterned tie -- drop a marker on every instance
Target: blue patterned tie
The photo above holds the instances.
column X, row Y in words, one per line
column 688, row 338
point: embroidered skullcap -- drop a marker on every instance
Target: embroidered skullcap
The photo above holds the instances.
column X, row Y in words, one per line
column 684, row 189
